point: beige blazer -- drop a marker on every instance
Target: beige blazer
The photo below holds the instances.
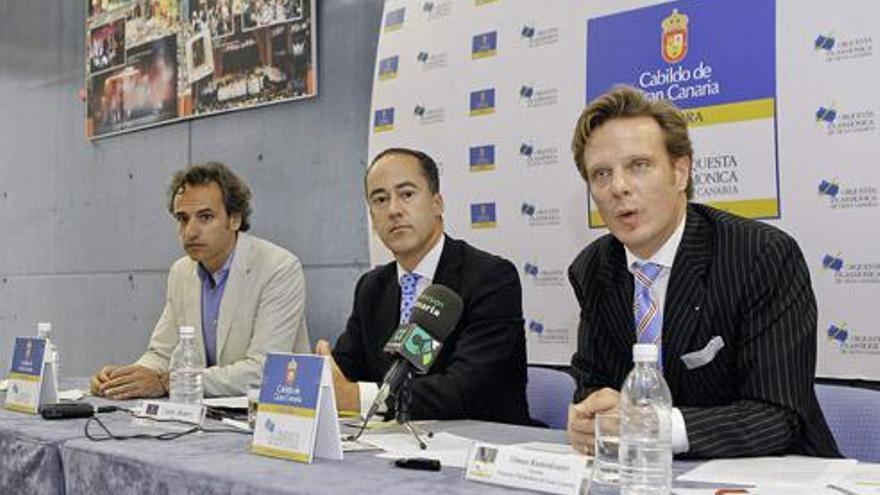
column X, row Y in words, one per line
column 263, row 310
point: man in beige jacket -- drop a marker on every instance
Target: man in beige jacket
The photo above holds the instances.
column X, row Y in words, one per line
column 245, row 296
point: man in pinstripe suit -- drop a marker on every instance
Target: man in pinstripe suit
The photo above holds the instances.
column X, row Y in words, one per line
column 738, row 332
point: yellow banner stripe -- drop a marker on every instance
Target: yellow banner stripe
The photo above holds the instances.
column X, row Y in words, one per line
column 23, row 377
column 482, row 168
column 483, row 54
column 289, row 410
column 383, row 128
column 483, row 111
column 284, row 454
column 749, row 208
column 483, row 225
column 730, row 112
column 21, row 408
column 393, row 27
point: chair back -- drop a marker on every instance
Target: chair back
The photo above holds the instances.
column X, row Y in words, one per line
column 853, row 414
column 549, row 393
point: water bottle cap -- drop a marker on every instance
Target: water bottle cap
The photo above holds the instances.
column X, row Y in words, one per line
column 187, row 331
column 644, row 353
column 44, row 328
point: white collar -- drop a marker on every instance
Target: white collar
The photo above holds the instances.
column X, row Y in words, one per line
column 664, row 256
column 426, row 268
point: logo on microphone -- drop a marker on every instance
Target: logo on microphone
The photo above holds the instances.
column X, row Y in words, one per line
column 421, row 346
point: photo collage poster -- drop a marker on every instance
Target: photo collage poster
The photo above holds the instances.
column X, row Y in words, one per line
column 151, row 62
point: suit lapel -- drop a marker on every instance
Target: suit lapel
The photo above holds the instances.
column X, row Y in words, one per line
column 235, row 286
column 615, row 304
column 387, row 316
column 686, row 291
column 449, row 267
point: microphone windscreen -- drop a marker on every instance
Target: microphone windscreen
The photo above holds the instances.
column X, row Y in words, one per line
column 437, row 310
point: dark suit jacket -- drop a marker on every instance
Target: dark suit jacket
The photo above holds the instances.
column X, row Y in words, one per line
column 481, row 370
column 739, row 279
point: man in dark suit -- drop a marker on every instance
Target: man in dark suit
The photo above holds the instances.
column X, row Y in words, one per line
column 736, row 312
column 481, row 370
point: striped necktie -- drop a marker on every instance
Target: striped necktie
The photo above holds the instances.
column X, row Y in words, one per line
column 649, row 321
column 409, row 282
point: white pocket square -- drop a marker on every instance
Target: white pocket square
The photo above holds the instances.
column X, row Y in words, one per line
column 705, row 355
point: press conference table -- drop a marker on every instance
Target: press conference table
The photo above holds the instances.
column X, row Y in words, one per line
column 54, row 457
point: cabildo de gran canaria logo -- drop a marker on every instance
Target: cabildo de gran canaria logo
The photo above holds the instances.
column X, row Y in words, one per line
column 482, row 102
column 483, row 216
column 484, row 45
column 383, row 119
column 849, row 341
column 388, row 68
column 674, row 40
column 844, row 198
column 482, row 158
column 394, row 20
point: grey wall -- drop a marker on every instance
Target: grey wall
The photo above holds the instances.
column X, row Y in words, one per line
column 86, row 241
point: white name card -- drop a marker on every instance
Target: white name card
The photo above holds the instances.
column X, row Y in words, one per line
column 512, row 466
column 187, row 415
column 32, row 378
column 296, row 414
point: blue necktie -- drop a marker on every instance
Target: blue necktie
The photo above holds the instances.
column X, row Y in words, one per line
column 649, row 321
column 408, row 284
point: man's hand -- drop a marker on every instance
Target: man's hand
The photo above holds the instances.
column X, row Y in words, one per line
column 100, row 378
column 348, row 395
column 581, row 418
column 132, row 382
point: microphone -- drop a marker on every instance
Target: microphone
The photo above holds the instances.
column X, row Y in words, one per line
column 416, row 345
column 68, row 410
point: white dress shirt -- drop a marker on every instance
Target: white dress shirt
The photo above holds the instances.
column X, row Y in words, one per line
column 426, row 269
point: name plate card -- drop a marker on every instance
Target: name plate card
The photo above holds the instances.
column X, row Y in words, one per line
column 169, row 414
column 296, row 413
column 517, row 467
column 29, row 387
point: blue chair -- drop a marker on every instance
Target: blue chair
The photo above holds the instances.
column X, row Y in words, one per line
column 853, row 414
column 549, row 393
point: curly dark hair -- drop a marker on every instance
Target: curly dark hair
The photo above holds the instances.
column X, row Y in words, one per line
column 236, row 194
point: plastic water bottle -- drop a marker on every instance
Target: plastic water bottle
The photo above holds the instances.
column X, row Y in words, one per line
column 645, row 427
column 44, row 331
column 186, row 371
column 50, row 356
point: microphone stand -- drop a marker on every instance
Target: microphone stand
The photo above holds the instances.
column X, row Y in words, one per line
column 403, row 403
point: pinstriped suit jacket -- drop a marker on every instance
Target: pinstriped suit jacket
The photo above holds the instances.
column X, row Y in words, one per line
column 739, row 279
